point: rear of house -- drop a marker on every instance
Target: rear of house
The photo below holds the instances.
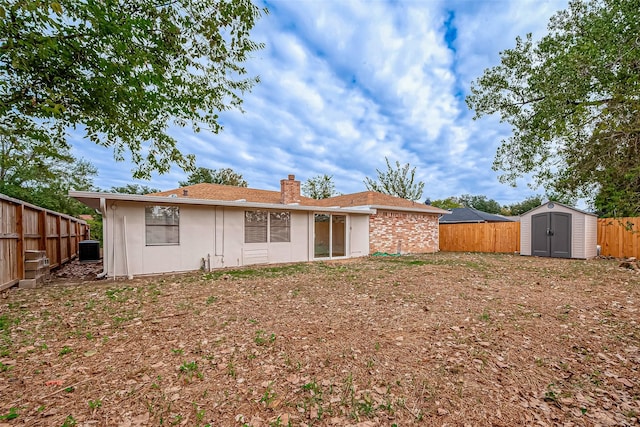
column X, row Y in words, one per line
column 214, row 226
column 151, row 234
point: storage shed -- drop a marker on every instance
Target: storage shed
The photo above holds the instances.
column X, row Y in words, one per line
column 559, row 231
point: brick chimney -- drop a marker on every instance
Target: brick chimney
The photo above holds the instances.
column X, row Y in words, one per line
column 289, row 190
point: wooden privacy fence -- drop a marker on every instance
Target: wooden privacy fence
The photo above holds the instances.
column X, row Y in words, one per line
column 619, row 237
column 26, row 227
column 480, row 237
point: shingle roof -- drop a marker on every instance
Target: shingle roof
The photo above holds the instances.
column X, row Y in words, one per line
column 231, row 193
column 470, row 215
column 375, row 199
column 226, row 192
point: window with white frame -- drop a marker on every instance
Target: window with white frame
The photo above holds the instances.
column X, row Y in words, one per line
column 255, row 226
column 162, row 225
column 280, row 226
column 263, row 226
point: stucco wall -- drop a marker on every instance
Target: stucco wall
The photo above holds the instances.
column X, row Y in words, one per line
column 403, row 232
column 209, row 231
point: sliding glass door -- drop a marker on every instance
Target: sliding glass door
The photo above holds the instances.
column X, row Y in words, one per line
column 330, row 236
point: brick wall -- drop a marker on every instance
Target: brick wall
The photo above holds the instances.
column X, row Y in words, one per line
column 403, row 232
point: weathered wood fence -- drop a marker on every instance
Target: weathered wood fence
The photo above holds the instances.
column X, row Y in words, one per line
column 26, row 227
column 617, row 237
column 480, row 237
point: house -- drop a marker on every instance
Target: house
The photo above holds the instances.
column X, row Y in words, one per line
column 214, row 226
column 559, row 231
column 470, row 215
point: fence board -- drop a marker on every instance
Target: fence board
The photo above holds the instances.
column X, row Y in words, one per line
column 619, row 237
column 502, row 237
column 27, row 227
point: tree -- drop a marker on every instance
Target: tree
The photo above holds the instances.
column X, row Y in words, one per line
column 480, row 203
column 134, row 189
column 398, row 181
column 41, row 171
column 573, row 102
column 226, row 176
column 319, row 187
column 524, row 206
column 448, row 203
column 122, row 71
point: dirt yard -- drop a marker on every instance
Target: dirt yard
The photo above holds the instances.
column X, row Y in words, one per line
column 446, row 339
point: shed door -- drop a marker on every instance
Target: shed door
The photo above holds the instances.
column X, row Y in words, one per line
column 551, row 235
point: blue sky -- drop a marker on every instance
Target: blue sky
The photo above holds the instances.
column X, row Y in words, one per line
column 345, row 83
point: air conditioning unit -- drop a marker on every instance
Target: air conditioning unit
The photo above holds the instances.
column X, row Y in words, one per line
column 89, row 251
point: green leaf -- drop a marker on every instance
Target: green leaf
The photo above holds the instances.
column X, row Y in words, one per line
column 56, row 8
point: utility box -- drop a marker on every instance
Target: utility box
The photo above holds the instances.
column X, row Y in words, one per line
column 89, row 251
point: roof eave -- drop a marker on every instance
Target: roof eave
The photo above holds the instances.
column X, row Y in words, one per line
column 92, row 199
column 435, row 211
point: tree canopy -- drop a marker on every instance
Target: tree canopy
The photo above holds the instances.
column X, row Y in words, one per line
column 396, row 181
column 123, row 71
column 448, row 203
column 134, row 189
column 225, row 176
column 42, row 171
column 319, row 187
column 522, row 207
column 481, row 203
column 573, row 102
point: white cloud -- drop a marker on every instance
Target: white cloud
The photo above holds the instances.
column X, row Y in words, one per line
column 346, row 83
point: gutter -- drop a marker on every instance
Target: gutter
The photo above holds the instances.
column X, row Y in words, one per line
column 103, row 209
column 79, row 195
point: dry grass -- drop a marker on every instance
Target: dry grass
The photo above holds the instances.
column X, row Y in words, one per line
column 445, row 339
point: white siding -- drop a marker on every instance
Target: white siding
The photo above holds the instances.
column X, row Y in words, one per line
column 577, row 235
column 590, row 236
column 525, row 235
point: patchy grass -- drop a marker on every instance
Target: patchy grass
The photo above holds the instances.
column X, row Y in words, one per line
column 436, row 339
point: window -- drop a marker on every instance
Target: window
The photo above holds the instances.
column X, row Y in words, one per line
column 257, row 223
column 255, row 226
column 280, row 226
column 162, row 225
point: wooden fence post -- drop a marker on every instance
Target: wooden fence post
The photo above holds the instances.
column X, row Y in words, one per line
column 59, row 239
column 20, row 242
column 42, row 230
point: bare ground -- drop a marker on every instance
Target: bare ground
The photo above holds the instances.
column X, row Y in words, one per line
column 444, row 339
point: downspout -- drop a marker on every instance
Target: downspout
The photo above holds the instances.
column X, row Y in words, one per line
column 103, row 212
column 113, row 240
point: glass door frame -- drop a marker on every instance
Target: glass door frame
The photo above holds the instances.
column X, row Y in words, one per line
column 324, row 246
